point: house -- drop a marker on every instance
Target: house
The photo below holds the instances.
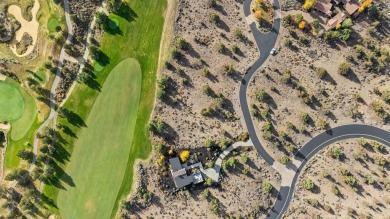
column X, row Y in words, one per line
column 324, row 6
column 180, row 176
column 340, row 17
column 350, row 6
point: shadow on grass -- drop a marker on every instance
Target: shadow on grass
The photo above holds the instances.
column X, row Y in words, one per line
column 73, row 118
column 59, row 177
column 126, row 12
column 112, row 28
column 92, row 83
column 102, row 58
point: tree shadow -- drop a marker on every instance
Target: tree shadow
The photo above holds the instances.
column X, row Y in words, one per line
column 74, row 119
column 112, row 28
column 102, row 58
column 68, row 131
column 126, row 12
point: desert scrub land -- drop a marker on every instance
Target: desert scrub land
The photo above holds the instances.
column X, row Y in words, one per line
column 248, row 189
column 347, row 179
column 198, row 89
column 313, row 84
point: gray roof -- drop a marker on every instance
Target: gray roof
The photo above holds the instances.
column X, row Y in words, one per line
column 183, row 180
column 197, row 177
column 175, row 163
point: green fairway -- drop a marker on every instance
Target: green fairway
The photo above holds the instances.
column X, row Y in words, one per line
column 18, row 108
column 11, row 102
column 100, row 156
column 138, row 36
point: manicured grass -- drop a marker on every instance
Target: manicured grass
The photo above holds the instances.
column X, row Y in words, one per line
column 40, row 76
column 100, row 154
column 11, row 160
column 52, row 24
column 11, row 102
column 18, row 108
column 21, row 126
column 98, row 67
column 139, row 37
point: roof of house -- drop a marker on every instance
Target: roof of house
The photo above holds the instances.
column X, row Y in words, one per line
column 198, row 178
column 175, row 164
column 324, row 6
column 183, row 180
column 351, row 7
column 179, row 173
column 340, row 17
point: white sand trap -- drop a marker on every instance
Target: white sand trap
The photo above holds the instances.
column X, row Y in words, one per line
column 5, row 126
column 30, row 27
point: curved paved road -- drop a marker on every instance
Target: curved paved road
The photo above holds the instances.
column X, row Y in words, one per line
column 265, row 42
column 311, row 148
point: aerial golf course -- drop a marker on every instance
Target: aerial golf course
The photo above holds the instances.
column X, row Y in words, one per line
column 111, row 130
column 18, row 108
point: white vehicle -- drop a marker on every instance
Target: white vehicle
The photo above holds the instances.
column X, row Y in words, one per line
column 273, row 51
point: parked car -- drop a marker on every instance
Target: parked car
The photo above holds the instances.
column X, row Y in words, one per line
column 273, row 51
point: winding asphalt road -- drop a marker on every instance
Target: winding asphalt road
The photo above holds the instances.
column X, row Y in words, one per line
column 290, row 173
column 265, row 42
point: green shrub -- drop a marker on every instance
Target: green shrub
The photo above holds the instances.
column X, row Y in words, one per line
column 212, row 3
column 287, row 77
column 205, row 194
column 344, row 68
column 206, row 89
column 267, row 187
column 305, row 117
column 321, row 72
column 214, row 17
column 238, row 33
column 181, row 43
column 336, row 152
column 284, row 160
column 261, row 95
column 386, row 96
column 308, row 184
column 235, row 48
column 244, row 158
column 335, row 190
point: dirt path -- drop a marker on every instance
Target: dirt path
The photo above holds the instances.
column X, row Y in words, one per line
column 29, row 27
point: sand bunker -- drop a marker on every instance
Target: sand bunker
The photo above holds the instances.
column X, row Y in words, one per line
column 29, row 27
column 2, row 77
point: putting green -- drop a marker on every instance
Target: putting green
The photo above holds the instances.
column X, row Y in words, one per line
column 11, row 102
column 52, row 24
column 16, row 107
column 101, row 152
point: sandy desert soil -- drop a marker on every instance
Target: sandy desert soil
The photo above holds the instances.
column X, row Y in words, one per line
column 336, row 99
column 372, row 196
column 182, row 109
